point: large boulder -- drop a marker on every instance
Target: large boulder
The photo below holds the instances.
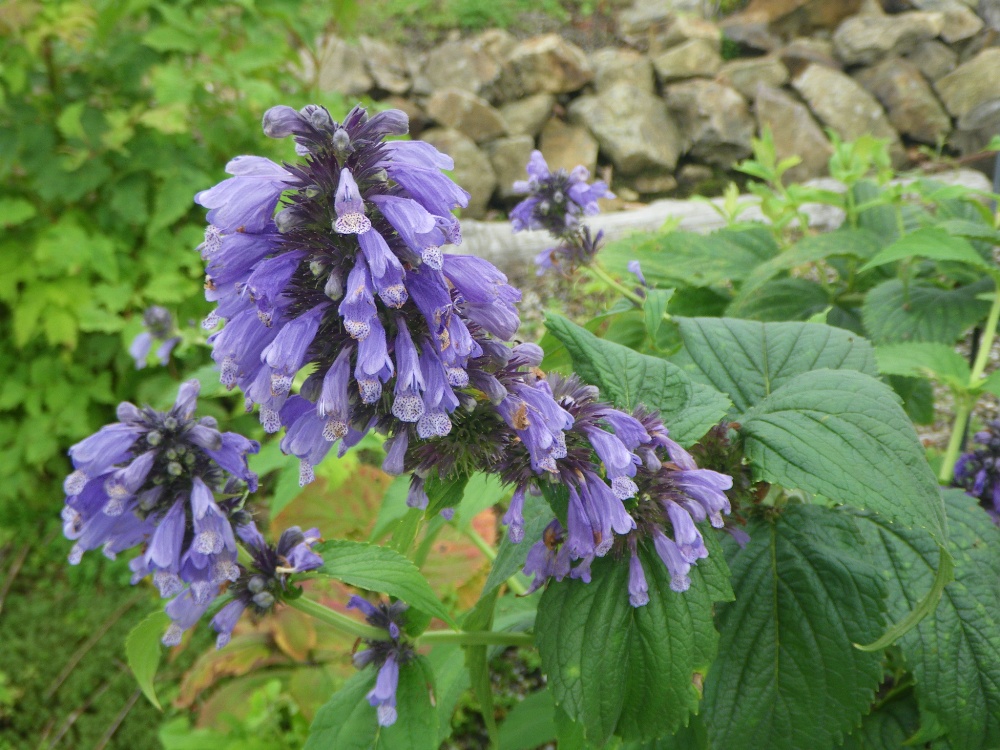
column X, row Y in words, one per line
column 613, row 66
column 684, row 28
column 764, row 23
column 338, row 67
column 509, row 156
column 547, row 64
column 566, row 146
column 795, row 133
column 841, row 104
column 800, row 53
column 934, row 59
column 386, row 65
column 632, row 127
column 913, row 108
column 747, row 74
column 467, row 113
column 696, row 58
column 647, row 20
column 469, row 64
column 865, row 39
column 527, row 116
column 473, row 170
column 713, row 119
column 972, row 84
column 960, row 21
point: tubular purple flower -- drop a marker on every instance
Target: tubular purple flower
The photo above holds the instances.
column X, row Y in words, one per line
column 350, row 207
column 245, row 202
column 677, row 565
column 514, row 517
column 638, row 590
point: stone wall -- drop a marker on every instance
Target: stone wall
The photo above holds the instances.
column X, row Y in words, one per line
column 665, row 111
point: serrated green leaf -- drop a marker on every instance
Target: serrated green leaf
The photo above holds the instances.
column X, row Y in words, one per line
column 844, row 435
column 380, row 569
column 931, row 243
column 653, row 309
column 142, row 651
column 845, row 242
column 788, row 676
column 782, row 299
column 699, row 260
column 628, row 378
column 530, row 723
column 346, row 721
column 444, row 493
column 748, row 360
column 14, row 211
column 619, row 669
column 923, row 312
column 973, row 230
column 451, row 680
column 955, row 652
column 887, row 727
column 923, row 359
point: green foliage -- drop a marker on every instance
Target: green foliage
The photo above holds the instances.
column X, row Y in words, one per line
column 608, row 662
column 142, row 650
column 788, row 675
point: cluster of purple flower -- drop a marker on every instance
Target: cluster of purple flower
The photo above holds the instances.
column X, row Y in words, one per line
column 556, row 201
column 173, row 484
column 385, row 655
column 978, row 471
column 349, row 280
column 626, row 481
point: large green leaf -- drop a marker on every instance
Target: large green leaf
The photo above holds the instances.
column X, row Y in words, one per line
column 922, row 359
column 781, row 299
column 788, row 676
column 748, row 360
column 923, row 312
column 859, row 244
column 887, row 727
column 530, row 723
column 619, row 669
column 381, row 569
column 954, row 653
column 628, row 379
column 932, row 243
column 692, row 259
column 844, row 435
column 348, row 722
column 142, row 652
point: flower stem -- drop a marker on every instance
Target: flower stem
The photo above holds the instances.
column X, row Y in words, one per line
column 964, row 402
column 483, row 546
column 608, row 279
column 343, row 623
column 352, row 627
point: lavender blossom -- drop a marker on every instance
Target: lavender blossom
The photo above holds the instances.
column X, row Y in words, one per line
column 347, row 280
column 556, row 202
column 159, row 325
column 263, row 584
column 152, row 479
column 386, row 655
column 978, row 471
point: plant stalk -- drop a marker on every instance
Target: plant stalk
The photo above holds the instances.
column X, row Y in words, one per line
column 608, row 279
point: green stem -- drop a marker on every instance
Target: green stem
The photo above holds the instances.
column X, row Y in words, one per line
column 352, row 627
column 986, row 342
column 483, row 546
column 608, row 279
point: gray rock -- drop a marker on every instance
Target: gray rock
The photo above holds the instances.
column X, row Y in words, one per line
column 565, row 146
column 971, row 84
column 545, row 63
column 695, row 58
column 647, row 19
column 649, row 183
column 467, row 113
column 960, row 21
column 473, row 170
column 989, row 11
column 934, row 59
column 527, row 116
column 745, row 75
column 975, row 129
column 713, row 120
column 765, row 22
column 631, row 126
column 800, row 53
column 913, row 108
column 841, row 104
column 863, row 40
column 691, row 176
column 795, row 133
column 613, row 66
column 461, row 64
column 509, row 157
column 386, row 65
column 683, row 28
column 338, row 67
